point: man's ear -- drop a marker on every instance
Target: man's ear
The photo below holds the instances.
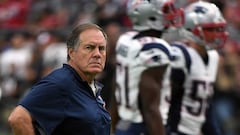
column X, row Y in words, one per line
column 70, row 52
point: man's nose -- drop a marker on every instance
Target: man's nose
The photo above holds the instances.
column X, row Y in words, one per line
column 97, row 52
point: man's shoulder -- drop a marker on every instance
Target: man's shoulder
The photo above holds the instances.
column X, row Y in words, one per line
column 59, row 73
column 61, row 76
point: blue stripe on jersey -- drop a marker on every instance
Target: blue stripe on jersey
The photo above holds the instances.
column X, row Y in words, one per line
column 186, row 55
column 158, row 46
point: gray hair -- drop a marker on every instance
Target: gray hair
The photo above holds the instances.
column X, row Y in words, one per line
column 73, row 40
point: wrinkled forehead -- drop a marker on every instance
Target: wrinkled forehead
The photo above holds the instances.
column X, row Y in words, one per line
column 93, row 35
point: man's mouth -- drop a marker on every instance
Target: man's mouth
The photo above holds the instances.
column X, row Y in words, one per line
column 95, row 63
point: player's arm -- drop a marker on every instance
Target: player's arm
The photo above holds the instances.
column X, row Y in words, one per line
column 20, row 121
column 177, row 79
column 150, row 85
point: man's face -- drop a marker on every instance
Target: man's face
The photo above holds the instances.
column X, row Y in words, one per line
column 215, row 35
column 89, row 58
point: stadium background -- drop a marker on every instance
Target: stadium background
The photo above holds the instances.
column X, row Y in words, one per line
column 32, row 35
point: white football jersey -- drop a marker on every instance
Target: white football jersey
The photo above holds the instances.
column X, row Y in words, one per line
column 134, row 55
column 198, row 86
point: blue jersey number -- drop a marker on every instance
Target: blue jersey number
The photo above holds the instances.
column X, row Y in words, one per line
column 200, row 94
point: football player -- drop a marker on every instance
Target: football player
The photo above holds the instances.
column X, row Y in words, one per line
column 143, row 58
column 194, row 71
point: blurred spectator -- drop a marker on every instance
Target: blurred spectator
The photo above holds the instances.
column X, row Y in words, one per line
column 55, row 53
column 13, row 13
column 13, row 71
column 232, row 15
column 13, row 64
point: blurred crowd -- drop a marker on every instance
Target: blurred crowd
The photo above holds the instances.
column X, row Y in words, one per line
column 32, row 43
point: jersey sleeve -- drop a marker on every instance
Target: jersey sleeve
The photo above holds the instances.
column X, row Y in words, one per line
column 180, row 57
column 46, row 104
column 154, row 54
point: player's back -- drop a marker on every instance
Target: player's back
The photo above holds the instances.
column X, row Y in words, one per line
column 134, row 55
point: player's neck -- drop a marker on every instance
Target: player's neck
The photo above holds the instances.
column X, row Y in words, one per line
column 202, row 51
column 151, row 33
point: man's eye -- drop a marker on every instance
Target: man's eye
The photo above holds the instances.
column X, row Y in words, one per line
column 89, row 47
column 102, row 48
